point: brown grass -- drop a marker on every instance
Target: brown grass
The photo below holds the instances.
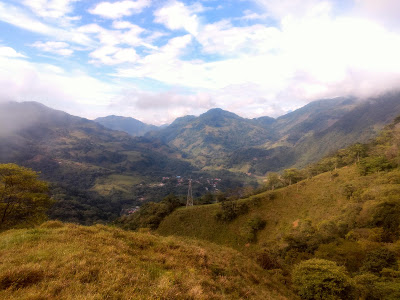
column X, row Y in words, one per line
column 57, row 261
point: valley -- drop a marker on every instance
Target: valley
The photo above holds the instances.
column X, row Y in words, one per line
column 340, row 211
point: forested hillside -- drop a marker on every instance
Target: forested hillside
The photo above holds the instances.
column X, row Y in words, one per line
column 220, row 139
column 342, row 219
column 95, row 172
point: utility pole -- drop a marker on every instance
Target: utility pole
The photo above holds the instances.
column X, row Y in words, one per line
column 189, row 201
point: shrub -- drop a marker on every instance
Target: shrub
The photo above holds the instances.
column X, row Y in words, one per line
column 251, row 227
column 378, row 259
column 230, row 210
column 321, row 279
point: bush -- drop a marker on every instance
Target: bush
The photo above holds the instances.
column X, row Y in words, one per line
column 230, row 210
column 321, row 279
column 252, row 226
column 378, row 259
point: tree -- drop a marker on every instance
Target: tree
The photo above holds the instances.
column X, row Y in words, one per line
column 292, row 176
column 321, row 279
column 273, row 180
column 24, row 199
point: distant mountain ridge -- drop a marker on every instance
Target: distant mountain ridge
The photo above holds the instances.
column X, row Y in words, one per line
column 127, row 124
column 222, row 139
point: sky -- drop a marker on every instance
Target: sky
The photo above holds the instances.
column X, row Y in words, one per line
column 158, row 60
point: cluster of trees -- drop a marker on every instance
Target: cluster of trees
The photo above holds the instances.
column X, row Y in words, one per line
column 24, row 199
column 150, row 214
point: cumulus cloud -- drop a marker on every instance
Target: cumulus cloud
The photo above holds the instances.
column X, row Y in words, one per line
column 386, row 12
column 225, row 39
column 21, row 80
column 119, row 9
column 176, row 15
column 279, row 9
column 50, row 8
column 10, row 52
column 15, row 16
column 161, row 107
column 60, row 48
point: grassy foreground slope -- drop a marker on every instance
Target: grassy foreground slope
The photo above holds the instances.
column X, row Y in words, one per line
column 66, row 261
column 318, row 199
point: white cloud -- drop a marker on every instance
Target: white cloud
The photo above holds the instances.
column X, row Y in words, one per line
column 161, row 107
column 74, row 92
column 17, row 17
column 110, row 55
column 386, row 12
column 10, row 52
column 176, row 15
column 50, row 8
column 280, row 9
column 60, row 48
column 119, row 9
column 223, row 38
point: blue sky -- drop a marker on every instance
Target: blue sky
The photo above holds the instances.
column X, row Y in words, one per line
column 157, row 60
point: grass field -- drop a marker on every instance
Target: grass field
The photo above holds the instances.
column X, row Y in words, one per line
column 65, row 261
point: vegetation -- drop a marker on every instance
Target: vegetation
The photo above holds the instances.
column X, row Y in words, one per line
column 150, row 214
column 66, row 261
column 334, row 234
column 321, row 279
column 24, row 199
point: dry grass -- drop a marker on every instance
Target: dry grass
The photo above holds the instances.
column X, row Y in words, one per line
column 65, row 261
column 317, row 199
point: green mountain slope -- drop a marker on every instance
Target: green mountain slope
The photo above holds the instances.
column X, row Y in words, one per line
column 74, row 262
column 209, row 138
column 129, row 125
column 347, row 217
column 340, row 195
column 96, row 171
column 320, row 128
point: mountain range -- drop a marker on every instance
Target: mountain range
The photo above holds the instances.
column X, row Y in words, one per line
column 222, row 139
column 96, row 171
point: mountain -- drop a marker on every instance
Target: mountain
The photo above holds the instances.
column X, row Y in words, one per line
column 129, row 125
column 95, row 171
column 345, row 212
column 211, row 137
column 220, row 139
column 351, row 122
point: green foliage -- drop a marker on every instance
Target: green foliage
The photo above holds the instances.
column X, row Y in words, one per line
column 346, row 253
column 24, row 199
column 230, row 210
column 321, row 279
column 251, row 227
column 374, row 164
column 150, row 214
column 274, row 181
column 372, row 287
column 387, row 216
column 379, row 259
column 292, row 176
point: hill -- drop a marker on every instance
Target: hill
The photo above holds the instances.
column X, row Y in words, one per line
column 348, row 214
column 129, row 125
column 221, row 139
column 95, row 171
column 210, row 138
column 66, row 261
column 318, row 129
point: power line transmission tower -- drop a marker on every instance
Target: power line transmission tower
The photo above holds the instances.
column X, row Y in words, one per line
column 189, row 201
